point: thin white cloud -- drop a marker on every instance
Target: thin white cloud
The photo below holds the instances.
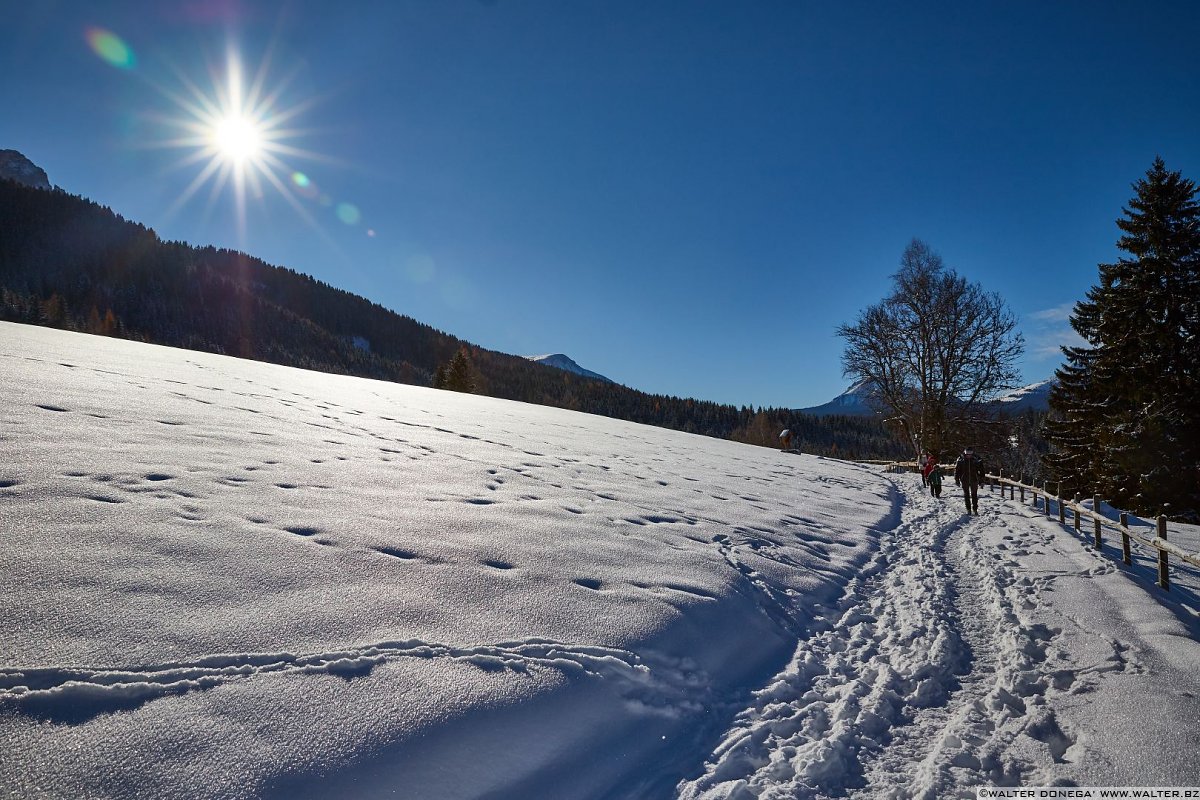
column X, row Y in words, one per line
column 1049, row 330
column 1060, row 313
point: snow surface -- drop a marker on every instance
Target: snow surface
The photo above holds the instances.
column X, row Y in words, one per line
column 224, row 578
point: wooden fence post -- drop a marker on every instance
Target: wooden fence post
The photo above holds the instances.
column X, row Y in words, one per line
column 1164, row 579
column 1096, row 518
column 1126, row 556
column 1033, row 488
column 1023, row 493
column 1062, row 509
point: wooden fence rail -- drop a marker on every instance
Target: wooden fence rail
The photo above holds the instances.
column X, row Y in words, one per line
column 1158, row 543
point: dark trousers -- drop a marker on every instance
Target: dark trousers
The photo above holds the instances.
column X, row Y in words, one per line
column 971, row 496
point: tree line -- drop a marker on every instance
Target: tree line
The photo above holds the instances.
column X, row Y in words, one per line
column 70, row 263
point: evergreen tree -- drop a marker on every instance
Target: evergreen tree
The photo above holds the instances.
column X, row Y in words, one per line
column 1126, row 412
column 460, row 374
column 441, row 376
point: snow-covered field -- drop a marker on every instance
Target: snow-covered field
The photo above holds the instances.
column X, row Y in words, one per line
column 222, row 578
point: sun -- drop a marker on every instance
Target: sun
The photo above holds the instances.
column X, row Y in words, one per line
column 238, row 132
column 237, row 139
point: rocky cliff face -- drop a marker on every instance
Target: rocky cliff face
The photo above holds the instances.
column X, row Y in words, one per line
column 16, row 167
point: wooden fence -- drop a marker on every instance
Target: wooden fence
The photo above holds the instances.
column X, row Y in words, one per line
column 1100, row 523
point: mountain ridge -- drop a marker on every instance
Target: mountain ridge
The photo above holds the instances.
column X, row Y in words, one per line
column 68, row 262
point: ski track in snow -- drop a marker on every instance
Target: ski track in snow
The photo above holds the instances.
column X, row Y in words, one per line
column 929, row 680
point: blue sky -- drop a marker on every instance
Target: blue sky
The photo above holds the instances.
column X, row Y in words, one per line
column 688, row 197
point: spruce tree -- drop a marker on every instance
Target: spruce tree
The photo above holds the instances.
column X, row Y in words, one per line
column 1126, row 419
column 460, row 374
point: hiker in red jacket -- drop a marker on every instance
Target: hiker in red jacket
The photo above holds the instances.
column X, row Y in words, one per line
column 933, row 475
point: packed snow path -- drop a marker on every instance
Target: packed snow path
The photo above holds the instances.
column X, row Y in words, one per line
column 975, row 650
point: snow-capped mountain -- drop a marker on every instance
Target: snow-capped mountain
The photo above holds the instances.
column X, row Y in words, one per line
column 855, row 400
column 852, row 402
column 1035, row 396
column 16, row 167
column 566, row 363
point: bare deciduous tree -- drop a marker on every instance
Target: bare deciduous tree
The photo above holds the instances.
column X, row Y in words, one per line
column 937, row 349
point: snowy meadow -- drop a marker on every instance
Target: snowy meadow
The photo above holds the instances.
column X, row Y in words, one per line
column 248, row 580
column 230, row 579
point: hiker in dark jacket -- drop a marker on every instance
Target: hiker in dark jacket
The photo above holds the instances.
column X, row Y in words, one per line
column 968, row 473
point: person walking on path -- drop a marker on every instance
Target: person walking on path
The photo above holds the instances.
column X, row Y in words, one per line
column 785, row 439
column 968, row 473
column 922, row 467
column 933, row 476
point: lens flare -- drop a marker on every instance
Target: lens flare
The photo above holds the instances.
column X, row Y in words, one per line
column 110, row 47
column 348, row 213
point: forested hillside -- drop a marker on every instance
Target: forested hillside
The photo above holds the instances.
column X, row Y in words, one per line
column 70, row 263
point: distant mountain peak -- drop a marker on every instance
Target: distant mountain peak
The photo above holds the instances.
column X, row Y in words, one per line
column 563, row 362
column 1035, row 396
column 16, row 167
column 855, row 400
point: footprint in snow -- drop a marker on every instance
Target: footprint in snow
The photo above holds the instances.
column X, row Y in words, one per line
column 99, row 498
column 396, row 552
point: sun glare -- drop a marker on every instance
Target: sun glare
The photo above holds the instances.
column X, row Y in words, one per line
column 237, row 133
column 237, row 138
